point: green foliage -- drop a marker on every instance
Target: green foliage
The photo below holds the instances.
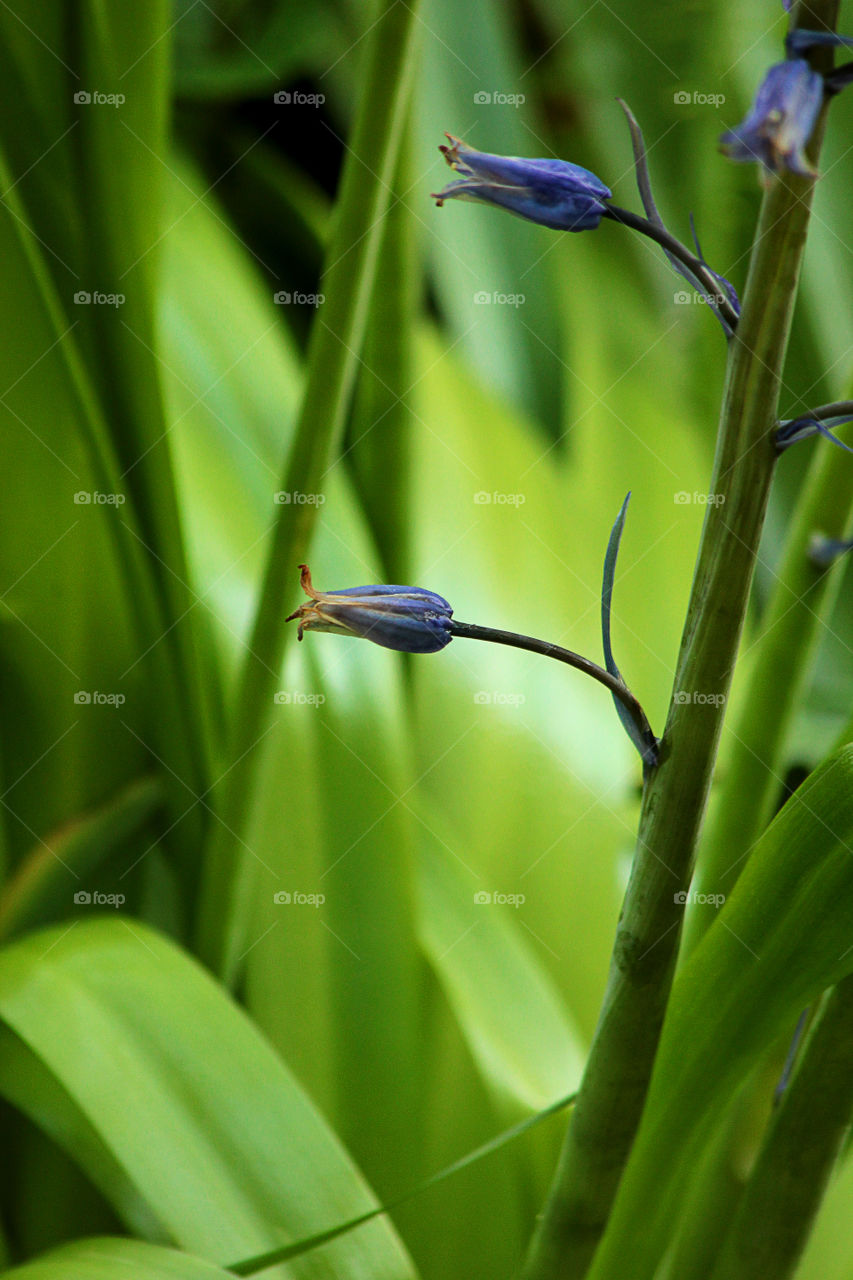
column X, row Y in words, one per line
column 286, row 930
column 112, row 1035
column 776, row 945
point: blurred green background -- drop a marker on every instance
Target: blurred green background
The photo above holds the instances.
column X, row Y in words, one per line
column 513, row 384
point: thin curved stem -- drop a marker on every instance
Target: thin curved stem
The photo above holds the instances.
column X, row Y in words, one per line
column 837, row 409
column 471, row 631
column 699, row 269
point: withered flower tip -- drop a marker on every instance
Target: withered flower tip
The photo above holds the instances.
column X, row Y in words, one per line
column 781, row 121
column 405, row 618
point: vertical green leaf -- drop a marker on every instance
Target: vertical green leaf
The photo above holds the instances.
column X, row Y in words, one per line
column 336, row 339
column 779, row 941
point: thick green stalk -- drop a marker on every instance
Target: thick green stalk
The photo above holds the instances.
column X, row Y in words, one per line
column 802, row 599
column 786, row 1186
column 738, row 997
column 616, row 1078
column 336, row 339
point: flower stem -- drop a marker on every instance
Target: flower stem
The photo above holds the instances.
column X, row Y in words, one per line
column 837, row 409
column 699, row 269
column 470, row 631
column 615, row 1082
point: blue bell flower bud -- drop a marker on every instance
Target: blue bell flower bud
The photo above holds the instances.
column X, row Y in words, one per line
column 553, row 193
column 404, row 618
column 781, row 121
column 823, row 551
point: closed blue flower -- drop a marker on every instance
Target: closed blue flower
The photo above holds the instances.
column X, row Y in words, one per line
column 553, row 193
column 781, row 121
column 405, row 618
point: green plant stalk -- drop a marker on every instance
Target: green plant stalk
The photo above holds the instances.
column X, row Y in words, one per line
column 802, row 600
column 379, row 436
column 736, row 999
column 616, row 1078
column 336, row 339
column 805, row 1137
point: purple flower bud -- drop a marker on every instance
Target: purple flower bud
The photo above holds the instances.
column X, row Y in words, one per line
column 781, row 121
column 405, row 618
column 553, row 193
